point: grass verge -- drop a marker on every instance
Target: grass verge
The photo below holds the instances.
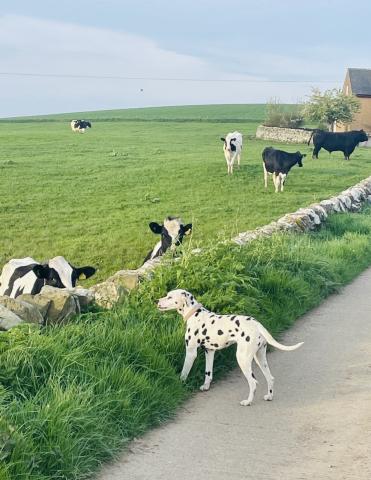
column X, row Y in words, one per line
column 71, row 397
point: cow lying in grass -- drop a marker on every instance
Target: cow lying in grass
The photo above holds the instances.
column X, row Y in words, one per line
column 278, row 163
column 25, row 275
column 172, row 233
column 232, row 149
column 213, row 332
column 80, row 125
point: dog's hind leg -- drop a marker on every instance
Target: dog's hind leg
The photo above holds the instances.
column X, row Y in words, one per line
column 244, row 359
column 261, row 360
column 191, row 354
column 209, row 362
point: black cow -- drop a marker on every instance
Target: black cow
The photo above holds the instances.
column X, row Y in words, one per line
column 80, row 125
column 172, row 233
column 344, row 142
column 26, row 275
column 278, row 163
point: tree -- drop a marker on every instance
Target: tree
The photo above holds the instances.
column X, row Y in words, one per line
column 331, row 106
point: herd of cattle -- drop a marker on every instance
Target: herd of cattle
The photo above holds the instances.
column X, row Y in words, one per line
column 26, row 275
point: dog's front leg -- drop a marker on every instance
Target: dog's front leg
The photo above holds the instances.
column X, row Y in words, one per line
column 191, row 354
column 209, row 362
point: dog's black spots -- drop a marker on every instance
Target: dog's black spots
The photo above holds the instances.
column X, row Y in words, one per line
column 198, row 340
column 236, row 329
column 220, row 332
column 252, row 374
column 212, row 322
column 207, row 338
column 229, row 331
column 242, row 334
column 247, row 338
column 198, row 312
column 233, row 335
column 204, row 331
column 215, row 345
column 208, row 373
column 189, row 337
column 203, row 341
column 196, row 332
column 192, row 302
column 176, row 303
column 187, row 343
column 233, row 317
column 258, row 344
column 270, row 391
column 212, row 315
column 237, row 323
column 203, row 325
column 189, row 329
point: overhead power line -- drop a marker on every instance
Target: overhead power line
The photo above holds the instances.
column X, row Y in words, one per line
column 158, row 79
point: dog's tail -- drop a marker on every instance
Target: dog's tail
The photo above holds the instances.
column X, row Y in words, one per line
column 268, row 337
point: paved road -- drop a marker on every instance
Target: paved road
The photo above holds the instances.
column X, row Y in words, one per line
column 318, row 426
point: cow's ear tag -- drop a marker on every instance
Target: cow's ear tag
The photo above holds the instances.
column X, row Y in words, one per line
column 82, row 276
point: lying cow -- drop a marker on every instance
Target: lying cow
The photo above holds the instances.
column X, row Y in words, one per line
column 278, row 163
column 25, row 275
column 232, row 149
column 344, row 142
column 172, row 233
column 80, row 125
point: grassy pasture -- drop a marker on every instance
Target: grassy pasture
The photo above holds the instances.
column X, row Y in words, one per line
column 90, row 197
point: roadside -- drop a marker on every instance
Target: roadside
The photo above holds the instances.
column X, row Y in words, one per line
column 318, row 426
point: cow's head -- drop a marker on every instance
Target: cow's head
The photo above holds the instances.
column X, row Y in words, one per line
column 61, row 274
column 300, row 157
column 229, row 144
column 88, row 124
column 172, row 232
column 362, row 136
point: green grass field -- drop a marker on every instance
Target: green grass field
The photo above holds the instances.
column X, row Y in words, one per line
column 73, row 396
column 90, row 197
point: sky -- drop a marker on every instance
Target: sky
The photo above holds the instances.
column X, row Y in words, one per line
column 56, row 56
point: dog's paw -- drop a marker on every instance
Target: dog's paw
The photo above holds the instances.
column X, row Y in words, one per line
column 268, row 397
column 205, row 387
column 246, row 403
column 183, row 378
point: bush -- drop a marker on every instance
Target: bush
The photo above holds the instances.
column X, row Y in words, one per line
column 277, row 115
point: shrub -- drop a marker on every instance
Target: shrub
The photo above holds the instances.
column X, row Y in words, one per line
column 278, row 115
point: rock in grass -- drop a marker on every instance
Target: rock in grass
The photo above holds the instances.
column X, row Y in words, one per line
column 107, row 294
column 63, row 305
column 129, row 279
column 38, row 301
column 26, row 311
column 8, row 319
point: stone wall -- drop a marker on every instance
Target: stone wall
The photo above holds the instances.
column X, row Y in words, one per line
column 57, row 306
column 287, row 135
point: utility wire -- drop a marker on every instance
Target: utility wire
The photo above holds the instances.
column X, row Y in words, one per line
column 157, row 79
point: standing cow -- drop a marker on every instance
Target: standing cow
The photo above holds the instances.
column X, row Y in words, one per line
column 344, row 142
column 278, row 163
column 232, row 149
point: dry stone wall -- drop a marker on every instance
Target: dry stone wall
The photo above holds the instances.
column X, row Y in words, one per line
column 57, row 306
column 286, row 135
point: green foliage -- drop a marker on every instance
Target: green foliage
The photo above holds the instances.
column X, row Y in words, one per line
column 331, row 106
column 90, row 197
column 72, row 396
column 278, row 115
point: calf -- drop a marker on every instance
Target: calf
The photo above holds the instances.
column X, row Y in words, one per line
column 344, row 142
column 25, row 275
column 172, row 233
column 278, row 163
column 80, row 125
column 232, row 149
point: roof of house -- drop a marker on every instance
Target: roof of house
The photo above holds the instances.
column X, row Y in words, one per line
column 360, row 80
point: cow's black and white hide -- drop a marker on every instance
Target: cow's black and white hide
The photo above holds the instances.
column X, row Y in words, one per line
column 172, row 233
column 80, row 125
column 278, row 163
column 344, row 142
column 232, row 148
column 26, row 275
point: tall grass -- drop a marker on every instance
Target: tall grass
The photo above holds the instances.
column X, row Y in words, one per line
column 72, row 396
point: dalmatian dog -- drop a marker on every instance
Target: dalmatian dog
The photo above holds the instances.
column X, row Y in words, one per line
column 211, row 332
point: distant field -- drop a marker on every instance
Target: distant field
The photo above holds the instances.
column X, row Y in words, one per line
column 90, row 197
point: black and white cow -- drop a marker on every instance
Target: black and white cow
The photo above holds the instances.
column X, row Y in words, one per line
column 25, row 275
column 232, row 149
column 172, row 233
column 344, row 142
column 278, row 163
column 80, row 125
